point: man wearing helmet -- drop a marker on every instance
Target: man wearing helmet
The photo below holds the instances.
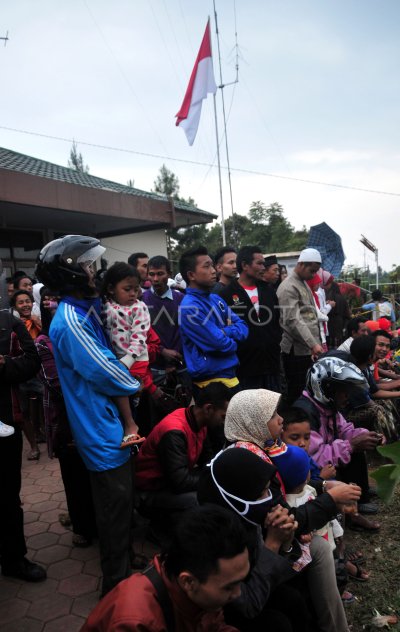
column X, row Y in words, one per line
column 90, row 377
column 301, row 341
column 330, row 382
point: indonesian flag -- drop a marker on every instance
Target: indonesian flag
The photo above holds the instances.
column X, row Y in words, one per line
column 201, row 83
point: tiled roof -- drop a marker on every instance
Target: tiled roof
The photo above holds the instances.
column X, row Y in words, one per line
column 34, row 166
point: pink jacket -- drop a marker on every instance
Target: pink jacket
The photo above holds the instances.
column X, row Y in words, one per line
column 330, row 443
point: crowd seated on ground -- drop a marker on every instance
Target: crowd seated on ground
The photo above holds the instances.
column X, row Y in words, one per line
column 248, row 389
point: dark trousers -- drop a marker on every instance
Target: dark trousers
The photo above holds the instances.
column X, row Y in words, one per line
column 164, row 508
column 113, row 503
column 356, row 472
column 296, row 368
column 12, row 541
column 78, row 492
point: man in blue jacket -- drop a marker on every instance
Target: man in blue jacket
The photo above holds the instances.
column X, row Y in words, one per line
column 91, row 377
column 210, row 330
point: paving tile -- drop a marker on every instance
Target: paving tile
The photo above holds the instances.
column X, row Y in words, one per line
column 65, row 568
column 56, row 527
column 8, row 588
column 59, row 496
column 84, row 605
column 42, row 540
column 89, row 553
column 50, row 516
column 23, row 625
column 70, row 623
column 13, row 609
column 33, row 528
column 51, row 487
column 78, row 585
column 92, row 567
column 33, row 591
column 46, row 505
column 52, row 554
column 53, row 466
column 28, row 488
column 30, row 516
column 37, row 497
column 50, row 607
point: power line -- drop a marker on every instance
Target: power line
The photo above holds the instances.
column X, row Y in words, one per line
column 198, row 163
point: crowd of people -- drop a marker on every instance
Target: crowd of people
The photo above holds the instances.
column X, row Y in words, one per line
column 232, row 406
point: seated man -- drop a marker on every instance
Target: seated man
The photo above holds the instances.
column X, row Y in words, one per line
column 355, row 328
column 187, row 586
column 384, row 368
column 371, row 411
column 169, row 463
column 330, row 383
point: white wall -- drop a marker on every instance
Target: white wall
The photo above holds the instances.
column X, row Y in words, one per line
column 152, row 242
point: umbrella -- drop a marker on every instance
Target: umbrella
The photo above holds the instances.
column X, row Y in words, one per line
column 329, row 244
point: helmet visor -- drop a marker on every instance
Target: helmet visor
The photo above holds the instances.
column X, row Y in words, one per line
column 90, row 256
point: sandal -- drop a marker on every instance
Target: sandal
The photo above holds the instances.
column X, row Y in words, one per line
column 131, row 439
column 64, row 519
column 34, row 455
column 351, row 555
column 347, row 598
column 360, row 575
column 80, row 541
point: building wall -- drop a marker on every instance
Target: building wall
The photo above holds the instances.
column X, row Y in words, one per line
column 152, row 242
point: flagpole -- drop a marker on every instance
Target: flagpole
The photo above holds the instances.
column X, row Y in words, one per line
column 221, row 87
column 219, row 173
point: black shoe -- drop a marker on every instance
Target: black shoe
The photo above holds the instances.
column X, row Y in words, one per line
column 26, row 570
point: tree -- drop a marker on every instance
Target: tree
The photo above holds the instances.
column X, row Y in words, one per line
column 76, row 161
column 131, row 183
column 167, row 183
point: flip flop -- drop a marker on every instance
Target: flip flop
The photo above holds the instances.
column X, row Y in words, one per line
column 351, row 555
column 358, row 575
column 131, row 439
column 347, row 598
column 34, row 455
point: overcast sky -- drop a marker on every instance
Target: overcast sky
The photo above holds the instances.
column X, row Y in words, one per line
column 317, row 99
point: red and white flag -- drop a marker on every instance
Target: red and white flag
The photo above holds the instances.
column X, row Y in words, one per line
column 201, row 83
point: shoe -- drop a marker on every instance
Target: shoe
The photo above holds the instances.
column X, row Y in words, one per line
column 26, row 570
column 34, row 455
column 368, row 509
column 5, row 430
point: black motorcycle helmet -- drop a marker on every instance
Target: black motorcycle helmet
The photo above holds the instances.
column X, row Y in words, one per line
column 61, row 263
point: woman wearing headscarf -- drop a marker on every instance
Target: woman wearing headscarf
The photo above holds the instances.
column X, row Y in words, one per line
column 239, row 481
column 252, row 422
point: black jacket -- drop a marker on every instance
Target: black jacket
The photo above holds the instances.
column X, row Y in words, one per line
column 259, row 354
column 14, row 370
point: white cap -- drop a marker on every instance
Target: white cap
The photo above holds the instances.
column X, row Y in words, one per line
column 309, row 255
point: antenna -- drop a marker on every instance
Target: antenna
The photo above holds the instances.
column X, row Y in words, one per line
column 6, row 38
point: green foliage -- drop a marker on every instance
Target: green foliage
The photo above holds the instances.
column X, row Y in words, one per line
column 76, row 161
column 388, row 476
column 167, row 183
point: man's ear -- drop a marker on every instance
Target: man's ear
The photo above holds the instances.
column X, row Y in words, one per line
column 190, row 275
column 188, row 582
